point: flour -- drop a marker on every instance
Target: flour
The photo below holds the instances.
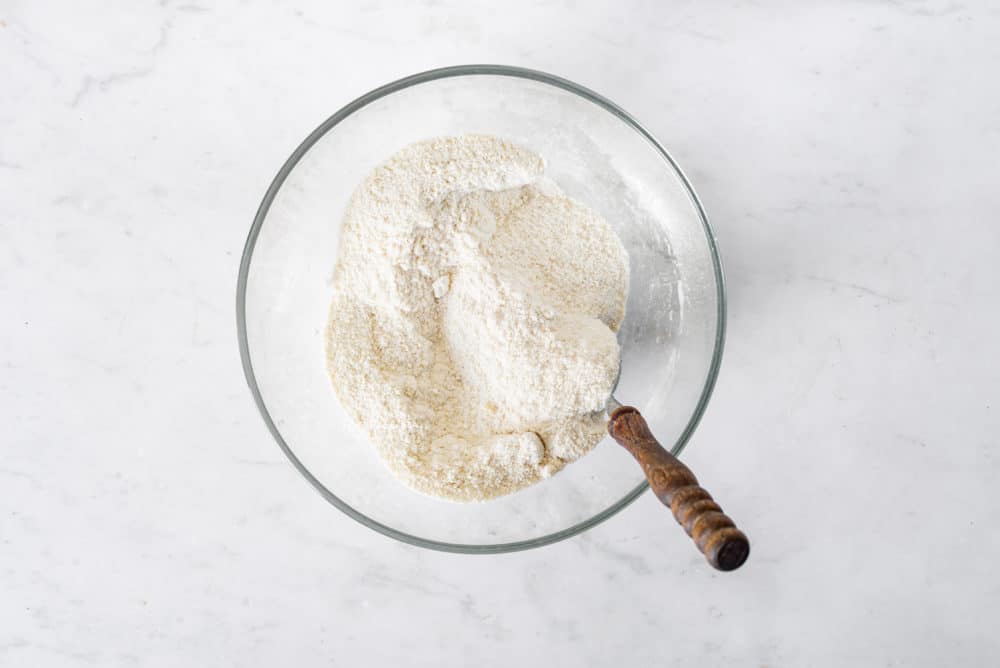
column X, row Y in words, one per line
column 472, row 330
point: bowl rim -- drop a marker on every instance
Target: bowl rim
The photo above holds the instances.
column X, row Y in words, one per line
column 358, row 104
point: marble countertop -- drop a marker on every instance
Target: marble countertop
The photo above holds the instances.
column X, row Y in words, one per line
column 847, row 154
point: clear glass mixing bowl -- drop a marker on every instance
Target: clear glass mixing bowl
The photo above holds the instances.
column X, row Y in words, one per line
column 671, row 339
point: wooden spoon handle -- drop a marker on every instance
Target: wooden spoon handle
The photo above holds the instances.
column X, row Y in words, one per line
column 725, row 546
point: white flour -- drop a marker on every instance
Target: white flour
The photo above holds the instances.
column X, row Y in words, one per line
column 472, row 331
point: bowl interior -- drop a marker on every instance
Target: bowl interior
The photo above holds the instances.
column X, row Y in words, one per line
column 671, row 337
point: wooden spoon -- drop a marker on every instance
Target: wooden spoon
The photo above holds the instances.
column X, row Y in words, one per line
column 725, row 546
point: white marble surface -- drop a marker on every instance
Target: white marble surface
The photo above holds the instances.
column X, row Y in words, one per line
column 847, row 153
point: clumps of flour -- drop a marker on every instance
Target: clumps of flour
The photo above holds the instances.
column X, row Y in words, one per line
column 472, row 330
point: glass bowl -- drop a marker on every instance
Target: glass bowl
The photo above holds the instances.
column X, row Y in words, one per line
column 671, row 338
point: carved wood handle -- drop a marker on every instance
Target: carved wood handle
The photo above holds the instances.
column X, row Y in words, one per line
column 725, row 546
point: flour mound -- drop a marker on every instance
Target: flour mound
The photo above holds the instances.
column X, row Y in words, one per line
column 472, row 330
